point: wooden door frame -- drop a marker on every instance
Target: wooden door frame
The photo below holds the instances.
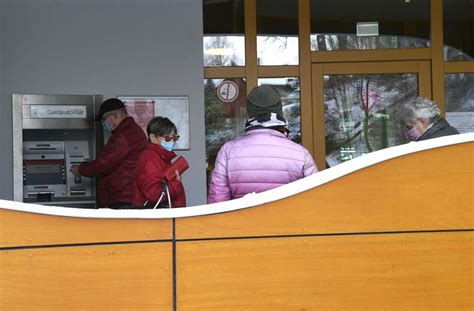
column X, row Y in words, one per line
column 318, row 70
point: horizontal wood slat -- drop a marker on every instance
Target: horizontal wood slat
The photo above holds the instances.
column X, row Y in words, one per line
column 370, row 272
column 27, row 229
column 459, row 67
column 278, row 71
column 118, row 277
column 224, row 72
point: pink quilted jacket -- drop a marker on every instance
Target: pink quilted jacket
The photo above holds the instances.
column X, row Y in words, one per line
column 260, row 160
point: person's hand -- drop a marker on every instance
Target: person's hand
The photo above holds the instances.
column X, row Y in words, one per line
column 178, row 177
column 75, row 170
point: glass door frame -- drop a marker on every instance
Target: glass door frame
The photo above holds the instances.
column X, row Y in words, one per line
column 318, row 70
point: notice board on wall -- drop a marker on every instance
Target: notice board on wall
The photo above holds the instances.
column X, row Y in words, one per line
column 175, row 108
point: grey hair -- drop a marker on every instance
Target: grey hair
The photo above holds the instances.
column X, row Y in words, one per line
column 420, row 107
column 122, row 110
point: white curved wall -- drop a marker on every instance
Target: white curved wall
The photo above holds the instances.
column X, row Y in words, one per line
column 252, row 199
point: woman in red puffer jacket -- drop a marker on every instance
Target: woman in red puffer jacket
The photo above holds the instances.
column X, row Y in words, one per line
column 149, row 176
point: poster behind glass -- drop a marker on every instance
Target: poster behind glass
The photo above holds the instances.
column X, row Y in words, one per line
column 175, row 108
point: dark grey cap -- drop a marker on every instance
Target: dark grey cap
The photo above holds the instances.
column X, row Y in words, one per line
column 263, row 100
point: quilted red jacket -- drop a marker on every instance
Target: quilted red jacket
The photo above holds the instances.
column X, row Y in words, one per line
column 115, row 166
column 149, row 176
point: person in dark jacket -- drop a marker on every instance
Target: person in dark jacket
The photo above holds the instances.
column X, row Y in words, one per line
column 422, row 119
column 115, row 165
column 149, row 177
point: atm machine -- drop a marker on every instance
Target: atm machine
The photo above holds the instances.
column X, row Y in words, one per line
column 50, row 134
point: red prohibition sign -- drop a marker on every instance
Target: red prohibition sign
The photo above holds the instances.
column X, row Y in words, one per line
column 227, row 91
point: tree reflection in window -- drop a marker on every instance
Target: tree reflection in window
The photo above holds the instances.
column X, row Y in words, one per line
column 459, row 92
column 223, row 51
column 289, row 90
column 361, row 113
column 334, row 42
column 224, row 120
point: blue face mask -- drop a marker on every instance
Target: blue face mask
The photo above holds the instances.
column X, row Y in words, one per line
column 106, row 125
column 168, row 145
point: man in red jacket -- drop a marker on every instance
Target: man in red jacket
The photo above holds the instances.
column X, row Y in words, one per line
column 115, row 166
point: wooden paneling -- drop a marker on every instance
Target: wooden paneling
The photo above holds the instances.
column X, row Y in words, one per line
column 278, row 71
column 397, row 235
column 306, row 113
column 459, row 67
column 319, row 140
column 223, row 72
column 367, row 272
column 25, row 229
column 250, row 43
column 424, row 79
column 118, row 277
column 428, row 190
column 437, row 52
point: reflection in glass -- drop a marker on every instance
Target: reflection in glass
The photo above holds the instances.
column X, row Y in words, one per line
column 459, row 100
column 458, row 20
column 289, row 90
column 360, row 113
column 277, row 32
column 224, row 51
column 401, row 24
column 277, row 50
column 223, row 30
column 225, row 116
column 334, row 42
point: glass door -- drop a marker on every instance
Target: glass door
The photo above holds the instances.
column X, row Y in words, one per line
column 355, row 106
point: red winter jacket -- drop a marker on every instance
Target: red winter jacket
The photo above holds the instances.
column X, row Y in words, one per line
column 115, row 166
column 149, row 176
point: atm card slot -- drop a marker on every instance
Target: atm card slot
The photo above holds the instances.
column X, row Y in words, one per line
column 78, row 192
column 38, row 193
column 43, row 149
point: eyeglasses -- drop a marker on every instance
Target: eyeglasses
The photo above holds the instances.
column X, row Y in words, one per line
column 171, row 137
column 105, row 116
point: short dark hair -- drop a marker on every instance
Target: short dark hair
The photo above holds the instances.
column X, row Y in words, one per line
column 161, row 126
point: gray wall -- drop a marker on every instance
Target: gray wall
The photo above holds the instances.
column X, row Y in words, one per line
column 6, row 187
column 109, row 47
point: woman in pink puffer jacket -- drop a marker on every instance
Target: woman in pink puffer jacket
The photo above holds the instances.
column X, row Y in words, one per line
column 263, row 158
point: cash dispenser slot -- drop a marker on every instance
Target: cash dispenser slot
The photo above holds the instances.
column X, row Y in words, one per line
column 44, row 172
column 46, row 176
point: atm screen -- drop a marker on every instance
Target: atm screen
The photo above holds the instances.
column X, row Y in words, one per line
column 42, row 167
column 43, row 172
